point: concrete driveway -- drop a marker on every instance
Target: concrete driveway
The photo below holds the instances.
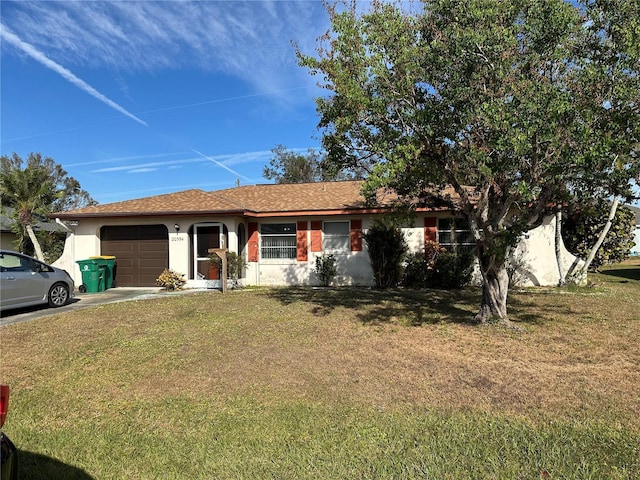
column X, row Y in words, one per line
column 84, row 300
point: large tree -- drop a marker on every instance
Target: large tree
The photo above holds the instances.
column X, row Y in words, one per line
column 583, row 226
column 289, row 166
column 492, row 98
column 35, row 188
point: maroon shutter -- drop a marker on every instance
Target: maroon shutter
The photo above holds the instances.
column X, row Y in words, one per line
column 301, row 242
column 430, row 229
column 253, row 244
column 316, row 236
column 355, row 235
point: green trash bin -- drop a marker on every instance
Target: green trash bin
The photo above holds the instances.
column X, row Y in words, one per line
column 92, row 275
column 108, row 261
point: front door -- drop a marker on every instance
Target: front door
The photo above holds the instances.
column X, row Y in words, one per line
column 205, row 237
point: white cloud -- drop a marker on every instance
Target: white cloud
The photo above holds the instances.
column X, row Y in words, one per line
column 13, row 39
column 250, row 40
column 224, row 161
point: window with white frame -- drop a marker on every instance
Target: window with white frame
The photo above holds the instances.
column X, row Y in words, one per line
column 336, row 237
column 455, row 235
column 278, row 240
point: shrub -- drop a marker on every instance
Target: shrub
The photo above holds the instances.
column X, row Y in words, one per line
column 453, row 270
column 387, row 249
column 437, row 269
column 326, row 269
column 236, row 265
column 417, row 271
column 170, row 280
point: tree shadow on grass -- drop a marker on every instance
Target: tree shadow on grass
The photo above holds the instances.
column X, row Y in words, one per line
column 377, row 307
column 405, row 306
column 40, row 467
column 623, row 274
column 528, row 311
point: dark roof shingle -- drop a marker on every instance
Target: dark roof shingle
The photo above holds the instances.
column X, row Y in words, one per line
column 251, row 200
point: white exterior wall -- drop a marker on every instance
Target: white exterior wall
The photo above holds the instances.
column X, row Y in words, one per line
column 83, row 241
column 353, row 268
column 535, row 260
column 635, row 250
column 535, row 255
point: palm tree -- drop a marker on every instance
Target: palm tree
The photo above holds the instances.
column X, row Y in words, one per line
column 35, row 191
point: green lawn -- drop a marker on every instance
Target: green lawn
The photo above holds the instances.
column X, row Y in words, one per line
column 330, row 384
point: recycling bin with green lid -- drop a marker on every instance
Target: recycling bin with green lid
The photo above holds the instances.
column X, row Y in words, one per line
column 93, row 275
column 108, row 261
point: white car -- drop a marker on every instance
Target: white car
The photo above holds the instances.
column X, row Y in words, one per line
column 25, row 281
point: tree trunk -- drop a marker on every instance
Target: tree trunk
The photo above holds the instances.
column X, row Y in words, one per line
column 561, row 274
column 36, row 243
column 494, row 290
column 601, row 237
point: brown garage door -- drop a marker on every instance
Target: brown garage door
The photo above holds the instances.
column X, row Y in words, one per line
column 142, row 253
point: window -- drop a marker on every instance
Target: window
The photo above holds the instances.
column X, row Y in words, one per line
column 455, row 235
column 278, row 240
column 336, row 236
column 15, row 263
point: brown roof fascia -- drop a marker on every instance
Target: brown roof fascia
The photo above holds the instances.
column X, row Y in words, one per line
column 182, row 213
column 354, row 211
column 315, row 213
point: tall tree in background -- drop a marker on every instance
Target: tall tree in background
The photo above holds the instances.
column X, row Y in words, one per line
column 34, row 188
column 493, row 98
column 584, row 223
column 287, row 166
column 608, row 101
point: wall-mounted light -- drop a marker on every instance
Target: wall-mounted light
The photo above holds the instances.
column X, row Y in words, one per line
column 177, row 227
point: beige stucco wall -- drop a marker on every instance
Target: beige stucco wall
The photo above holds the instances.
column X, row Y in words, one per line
column 84, row 241
column 353, row 268
column 534, row 259
column 535, row 255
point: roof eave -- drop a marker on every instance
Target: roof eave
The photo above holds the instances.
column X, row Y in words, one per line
column 183, row 213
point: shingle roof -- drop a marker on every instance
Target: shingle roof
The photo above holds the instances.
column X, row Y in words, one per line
column 253, row 200
column 188, row 201
column 7, row 222
column 297, row 197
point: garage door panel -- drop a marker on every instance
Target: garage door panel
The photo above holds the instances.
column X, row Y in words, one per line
column 152, row 246
column 142, row 252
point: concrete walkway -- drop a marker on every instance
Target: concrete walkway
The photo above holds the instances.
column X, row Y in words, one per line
column 84, row 300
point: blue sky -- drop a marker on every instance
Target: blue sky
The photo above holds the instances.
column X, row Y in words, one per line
column 139, row 98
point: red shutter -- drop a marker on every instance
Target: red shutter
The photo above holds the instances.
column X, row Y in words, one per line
column 430, row 229
column 355, row 235
column 316, row 236
column 301, row 242
column 253, row 244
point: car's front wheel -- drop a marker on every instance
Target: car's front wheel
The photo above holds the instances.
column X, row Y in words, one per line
column 58, row 295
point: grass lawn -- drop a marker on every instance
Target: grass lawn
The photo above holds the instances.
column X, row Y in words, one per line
column 332, row 384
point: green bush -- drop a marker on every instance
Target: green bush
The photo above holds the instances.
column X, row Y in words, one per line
column 170, row 280
column 236, row 265
column 417, row 272
column 387, row 249
column 443, row 270
column 420, row 267
column 453, row 270
column 326, row 269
